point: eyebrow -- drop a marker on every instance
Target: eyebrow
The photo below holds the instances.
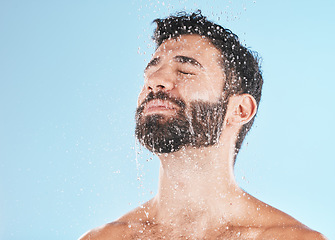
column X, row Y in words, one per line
column 153, row 62
column 184, row 59
column 178, row 58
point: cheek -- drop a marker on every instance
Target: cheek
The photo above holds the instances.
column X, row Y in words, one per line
column 205, row 90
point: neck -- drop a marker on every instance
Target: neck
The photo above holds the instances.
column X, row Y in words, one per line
column 197, row 185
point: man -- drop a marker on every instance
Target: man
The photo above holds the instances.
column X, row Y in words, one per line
column 200, row 96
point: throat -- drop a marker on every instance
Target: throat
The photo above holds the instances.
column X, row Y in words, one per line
column 197, row 186
column 194, row 196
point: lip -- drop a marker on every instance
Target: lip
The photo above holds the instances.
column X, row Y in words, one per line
column 158, row 105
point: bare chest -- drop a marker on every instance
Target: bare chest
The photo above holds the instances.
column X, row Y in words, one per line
column 184, row 232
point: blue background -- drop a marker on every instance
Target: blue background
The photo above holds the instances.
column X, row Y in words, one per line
column 70, row 73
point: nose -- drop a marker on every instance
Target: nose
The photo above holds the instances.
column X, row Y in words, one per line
column 161, row 80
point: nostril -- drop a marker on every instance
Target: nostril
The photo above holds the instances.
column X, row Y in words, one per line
column 157, row 87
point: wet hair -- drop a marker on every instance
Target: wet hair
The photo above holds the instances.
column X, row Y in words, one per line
column 240, row 65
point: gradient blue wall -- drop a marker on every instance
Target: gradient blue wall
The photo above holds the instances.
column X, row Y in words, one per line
column 70, row 73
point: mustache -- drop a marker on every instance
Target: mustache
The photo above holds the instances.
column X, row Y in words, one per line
column 162, row 96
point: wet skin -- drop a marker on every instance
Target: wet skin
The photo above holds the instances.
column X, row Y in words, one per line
column 198, row 197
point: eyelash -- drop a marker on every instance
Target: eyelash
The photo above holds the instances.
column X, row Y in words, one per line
column 186, row 73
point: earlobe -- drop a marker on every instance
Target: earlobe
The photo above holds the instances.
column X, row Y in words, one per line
column 244, row 108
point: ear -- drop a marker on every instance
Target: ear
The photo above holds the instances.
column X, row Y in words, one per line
column 241, row 109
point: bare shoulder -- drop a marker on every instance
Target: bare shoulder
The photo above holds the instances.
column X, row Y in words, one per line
column 290, row 233
column 277, row 225
column 110, row 231
column 123, row 228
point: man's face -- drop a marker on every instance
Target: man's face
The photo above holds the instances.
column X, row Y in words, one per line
column 182, row 102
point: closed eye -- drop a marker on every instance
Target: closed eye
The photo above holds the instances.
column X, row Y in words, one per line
column 186, row 73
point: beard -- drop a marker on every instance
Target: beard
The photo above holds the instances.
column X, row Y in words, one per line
column 200, row 126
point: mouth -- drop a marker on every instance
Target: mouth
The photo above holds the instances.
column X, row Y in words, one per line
column 159, row 106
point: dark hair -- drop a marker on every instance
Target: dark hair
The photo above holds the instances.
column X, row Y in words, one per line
column 241, row 66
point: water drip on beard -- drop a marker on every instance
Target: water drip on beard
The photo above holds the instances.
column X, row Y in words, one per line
column 165, row 135
column 201, row 127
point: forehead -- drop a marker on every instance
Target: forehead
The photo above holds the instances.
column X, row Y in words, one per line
column 190, row 44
